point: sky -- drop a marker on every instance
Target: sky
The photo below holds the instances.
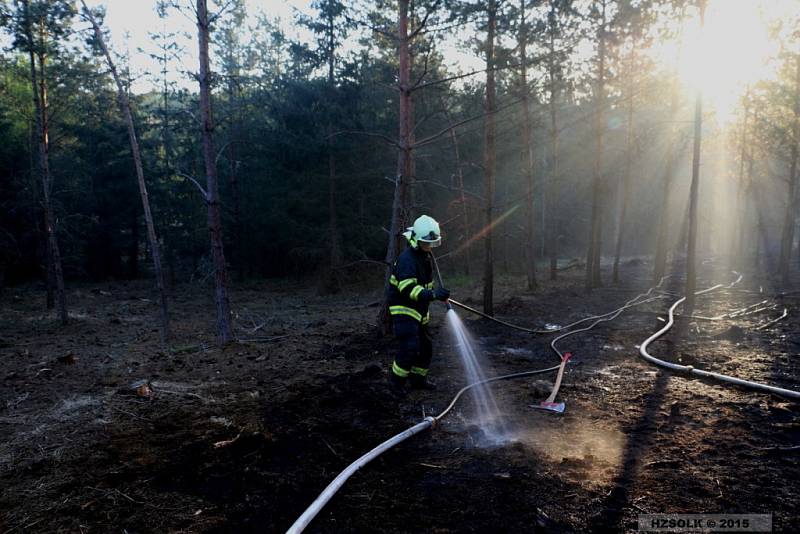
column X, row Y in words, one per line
column 129, row 22
column 732, row 51
column 734, row 42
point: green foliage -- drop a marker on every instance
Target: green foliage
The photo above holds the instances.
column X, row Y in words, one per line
column 39, row 25
column 278, row 114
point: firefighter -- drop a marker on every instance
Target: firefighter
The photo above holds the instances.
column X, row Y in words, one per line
column 410, row 294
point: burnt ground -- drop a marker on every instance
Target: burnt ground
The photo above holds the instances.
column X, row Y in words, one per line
column 243, row 438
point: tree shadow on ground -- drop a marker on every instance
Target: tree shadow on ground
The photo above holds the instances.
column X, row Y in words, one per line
column 640, row 437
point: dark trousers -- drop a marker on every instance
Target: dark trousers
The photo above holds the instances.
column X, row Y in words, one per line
column 414, row 348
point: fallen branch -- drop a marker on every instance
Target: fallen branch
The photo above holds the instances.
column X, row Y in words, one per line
column 266, row 339
column 178, row 393
column 663, row 463
column 432, row 466
column 779, row 449
column 571, row 265
column 130, row 414
column 26, row 527
column 331, row 449
column 772, row 322
column 227, row 442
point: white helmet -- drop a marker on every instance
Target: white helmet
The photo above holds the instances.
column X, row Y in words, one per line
column 425, row 230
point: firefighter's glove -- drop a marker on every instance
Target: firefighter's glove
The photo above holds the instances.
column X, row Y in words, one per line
column 441, row 293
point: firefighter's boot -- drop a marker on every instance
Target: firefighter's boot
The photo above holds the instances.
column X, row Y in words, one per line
column 416, row 381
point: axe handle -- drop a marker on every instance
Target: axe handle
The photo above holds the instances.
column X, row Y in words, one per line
column 564, row 360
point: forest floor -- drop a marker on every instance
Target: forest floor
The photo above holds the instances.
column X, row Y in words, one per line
column 243, row 438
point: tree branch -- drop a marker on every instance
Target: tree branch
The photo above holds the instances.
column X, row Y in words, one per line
column 449, row 188
column 196, row 183
column 430, row 139
column 424, row 71
column 368, row 134
column 221, row 150
column 382, row 31
column 424, row 20
column 460, row 76
column 213, row 18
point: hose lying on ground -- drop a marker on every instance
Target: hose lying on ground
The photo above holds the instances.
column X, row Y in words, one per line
column 312, row 511
column 429, row 422
column 560, row 328
column 698, row 372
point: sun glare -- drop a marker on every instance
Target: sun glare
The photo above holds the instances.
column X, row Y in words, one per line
column 732, row 50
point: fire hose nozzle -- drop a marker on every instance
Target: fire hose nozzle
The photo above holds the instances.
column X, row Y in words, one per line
column 439, row 281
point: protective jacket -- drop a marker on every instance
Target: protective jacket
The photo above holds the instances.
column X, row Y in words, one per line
column 411, row 284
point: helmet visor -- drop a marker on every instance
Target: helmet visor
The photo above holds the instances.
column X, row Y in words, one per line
column 433, row 239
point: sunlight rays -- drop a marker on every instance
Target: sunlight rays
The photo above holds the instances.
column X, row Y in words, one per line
column 732, row 51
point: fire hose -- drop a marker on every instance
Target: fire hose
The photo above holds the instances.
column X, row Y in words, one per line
column 699, row 372
column 429, row 422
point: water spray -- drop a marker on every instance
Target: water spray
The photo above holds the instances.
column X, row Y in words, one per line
column 549, row 404
column 431, row 422
column 487, row 412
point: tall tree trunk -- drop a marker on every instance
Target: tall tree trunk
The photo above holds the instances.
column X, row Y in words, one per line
column 224, row 322
column 739, row 213
column 552, row 186
column 598, row 179
column 233, row 171
column 674, row 149
column 39, row 91
column 166, row 142
column 133, row 251
column 47, row 185
column 527, row 153
column 239, row 235
column 761, row 261
column 787, row 235
column 489, row 161
column 42, row 247
column 335, row 252
column 626, row 173
column 691, row 245
column 51, row 273
column 674, row 145
column 152, row 239
column 467, row 257
column 401, row 203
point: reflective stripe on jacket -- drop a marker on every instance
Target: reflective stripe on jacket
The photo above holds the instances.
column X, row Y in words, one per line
column 412, row 275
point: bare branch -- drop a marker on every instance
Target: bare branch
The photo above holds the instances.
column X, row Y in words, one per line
column 424, row 20
column 465, row 75
column 449, row 188
column 430, row 139
column 382, row 31
column 220, row 151
column 218, row 14
column 424, row 71
column 451, row 219
column 386, row 138
column 196, row 183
